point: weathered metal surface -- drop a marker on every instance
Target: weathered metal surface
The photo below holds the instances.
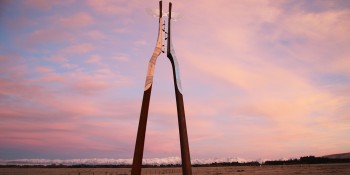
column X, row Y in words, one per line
column 185, row 151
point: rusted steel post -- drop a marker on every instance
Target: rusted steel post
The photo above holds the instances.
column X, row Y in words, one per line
column 141, row 132
column 185, row 151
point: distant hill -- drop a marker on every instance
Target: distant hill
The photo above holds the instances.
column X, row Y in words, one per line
column 107, row 161
column 338, row 156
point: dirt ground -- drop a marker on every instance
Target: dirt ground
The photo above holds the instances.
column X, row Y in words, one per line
column 323, row 169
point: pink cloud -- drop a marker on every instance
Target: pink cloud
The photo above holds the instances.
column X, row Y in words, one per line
column 58, row 58
column 79, row 48
column 12, row 65
column 40, row 96
column 19, row 88
column 43, row 69
column 87, row 84
column 69, row 129
column 41, row 4
column 121, row 57
column 19, row 23
column 341, row 64
column 121, row 30
column 47, row 5
column 78, row 20
column 81, row 82
column 47, row 135
column 69, row 98
column 63, row 61
column 319, row 26
column 42, row 36
column 94, row 59
column 110, row 6
column 95, row 35
column 140, row 43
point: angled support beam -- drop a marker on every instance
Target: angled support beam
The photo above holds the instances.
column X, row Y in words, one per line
column 185, row 151
column 141, row 132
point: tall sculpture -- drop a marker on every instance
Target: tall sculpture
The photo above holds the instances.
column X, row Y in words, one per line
column 141, row 132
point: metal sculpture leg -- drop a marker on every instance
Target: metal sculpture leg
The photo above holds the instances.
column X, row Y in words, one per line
column 185, row 151
column 141, row 132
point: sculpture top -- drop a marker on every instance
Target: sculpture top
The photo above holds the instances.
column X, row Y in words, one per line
column 158, row 49
column 171, row 52
column 156, row 52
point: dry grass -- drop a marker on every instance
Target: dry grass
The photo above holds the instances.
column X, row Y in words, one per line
column 331, row 169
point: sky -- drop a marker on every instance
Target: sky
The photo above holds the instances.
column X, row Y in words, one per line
column 260, row 79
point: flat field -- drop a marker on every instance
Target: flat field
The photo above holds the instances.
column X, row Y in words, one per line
column 321, row 169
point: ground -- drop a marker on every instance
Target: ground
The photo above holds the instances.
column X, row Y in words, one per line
column 322, row 169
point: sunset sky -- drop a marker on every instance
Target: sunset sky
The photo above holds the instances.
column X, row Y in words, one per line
column 260, row 79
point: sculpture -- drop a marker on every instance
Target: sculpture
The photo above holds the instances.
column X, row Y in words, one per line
column 140, row 140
